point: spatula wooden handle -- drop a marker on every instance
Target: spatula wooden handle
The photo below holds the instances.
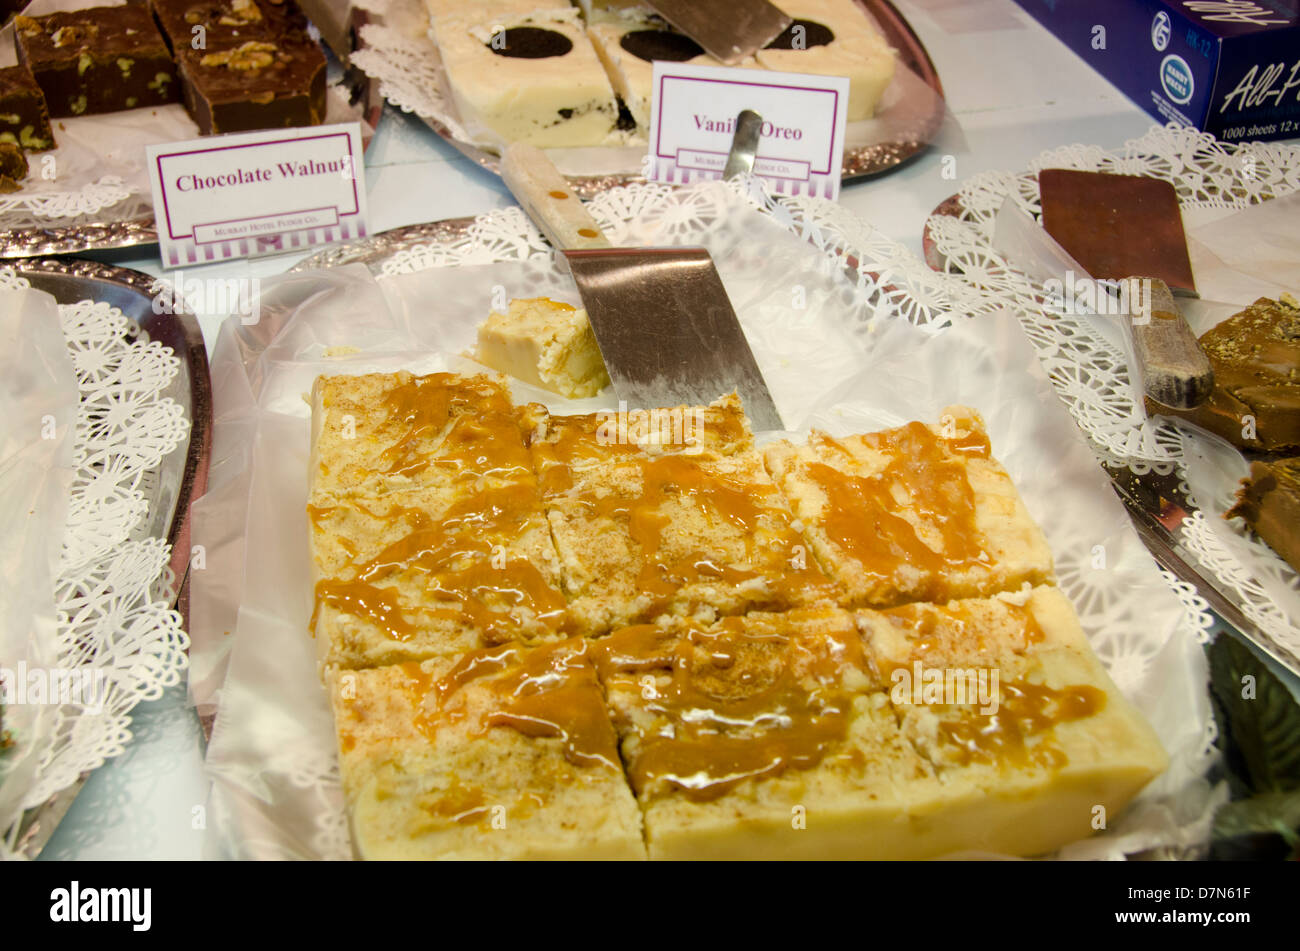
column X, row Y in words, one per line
column 1175, row 370
column 548, row 200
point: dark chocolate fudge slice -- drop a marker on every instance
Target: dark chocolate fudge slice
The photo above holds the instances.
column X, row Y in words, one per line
column 23, row 119
column 260, row 84
column 13, row 167
column 220, row 24
column 102, row 59
column 1269, row 501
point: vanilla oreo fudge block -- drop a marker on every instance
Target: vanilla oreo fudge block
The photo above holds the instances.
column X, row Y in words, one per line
column 1029, row 738
column 642, row 533
column 917, row 513
column 379, row 433
column 628, row 38
column 764, row 737
column 506, row 753
column 527, row 77
column 547, row 343
column 834, row 38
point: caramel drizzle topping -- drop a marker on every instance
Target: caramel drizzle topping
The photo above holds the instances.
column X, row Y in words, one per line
column 860, row 514
column 723, row 728
column 548, row 691
column 1024, row 710
column 440, row 549
column 932, row 622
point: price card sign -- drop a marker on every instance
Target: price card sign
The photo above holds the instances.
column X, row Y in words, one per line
column 254, row 193
column 693, row 117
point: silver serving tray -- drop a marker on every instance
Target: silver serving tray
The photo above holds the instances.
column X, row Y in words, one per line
column 181, row 476
column 859, row 162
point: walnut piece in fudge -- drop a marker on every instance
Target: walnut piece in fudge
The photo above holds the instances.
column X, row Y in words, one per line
column 102, row 59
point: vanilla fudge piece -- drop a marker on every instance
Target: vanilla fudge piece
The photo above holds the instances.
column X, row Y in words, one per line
column 1028, row 736
column 547, row 343
column 917, row 513
column 506, row 753
column 527, row 77
column 629, row 37
column 834, row 38
column 379, row 433
column 762, row 738
column 645, row 532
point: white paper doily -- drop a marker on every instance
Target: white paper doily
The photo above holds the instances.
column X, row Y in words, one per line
column 1089, row 372
column 883, row 278
column 112, row 590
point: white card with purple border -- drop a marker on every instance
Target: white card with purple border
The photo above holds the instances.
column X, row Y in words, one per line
column 256, row 193
column 693, row 113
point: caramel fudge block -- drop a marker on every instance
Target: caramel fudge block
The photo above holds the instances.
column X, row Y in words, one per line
column 101, row 59
column 547, row 343
column 1269, row 502
column 834, row 38
column 220, row 24
column 762, row 738
column 918, row 513
column 433, row 572
column 23, row 119
column 380, row 433
column 642, row 534
column 13, row 167
column 527, row 77
column 271, row 83
column 1027, row 735
column 1255, row 403
column 506, row 753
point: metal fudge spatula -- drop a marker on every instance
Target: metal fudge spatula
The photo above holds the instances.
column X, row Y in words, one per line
column 662, row 319
column 729, row 30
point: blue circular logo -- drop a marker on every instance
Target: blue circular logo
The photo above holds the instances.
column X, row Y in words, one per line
column 1161, row 30
column 1176, row 77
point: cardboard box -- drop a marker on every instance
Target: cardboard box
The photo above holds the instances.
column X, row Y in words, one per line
column 1227, row 67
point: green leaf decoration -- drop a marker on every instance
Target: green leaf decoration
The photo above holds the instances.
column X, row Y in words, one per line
column 1265, row 729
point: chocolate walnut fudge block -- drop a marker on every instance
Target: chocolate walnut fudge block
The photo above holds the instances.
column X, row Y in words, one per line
column 268, row 83
column 24, row 121
column 102, row 59
column 219, row 24
column 13, row 167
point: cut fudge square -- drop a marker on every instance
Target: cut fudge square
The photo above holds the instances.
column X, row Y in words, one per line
column 13, row 167
column 270, row 83
column 628, row 39
column 763, row 737
column 502, row 753
column 1027, row 734
column 527, row 77
column 834, row 38
column 917, row 513
column 24, row 121
column 218, row 24
column 101, row 59
column 433, row 572
column 547, row 343
column 380, row 432
column 642, row 534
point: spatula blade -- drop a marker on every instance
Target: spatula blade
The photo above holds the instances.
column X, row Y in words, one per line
column 729, row 30
column 667, row 331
